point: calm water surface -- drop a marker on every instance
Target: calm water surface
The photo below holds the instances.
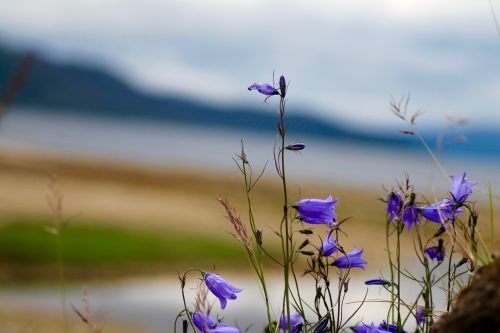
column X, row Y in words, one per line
column 184, row 146
column 154, row 303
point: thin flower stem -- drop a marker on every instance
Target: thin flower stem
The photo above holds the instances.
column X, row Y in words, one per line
column 357, row 309
column 179, row 315
column 429, row 150
column 450, row 291
column 342, row 280
column 389, row 255
column 332, row 305
column 415, row 304
column 281, row 129
column 427, row 294
column 299, row 303
column 258, row 267
column 183, row 284
column 398, row 262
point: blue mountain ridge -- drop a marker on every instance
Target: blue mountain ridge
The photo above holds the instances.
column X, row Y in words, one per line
column 79, row 89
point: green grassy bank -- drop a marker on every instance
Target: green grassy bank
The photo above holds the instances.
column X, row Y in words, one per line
column 92, row 249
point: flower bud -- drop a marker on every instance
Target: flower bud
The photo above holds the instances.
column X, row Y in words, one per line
column 380, row 282
column 461, row 262
column 258, row 236
column 322, row 325
column 304, row 244
column 295, row 146
column 282, row 86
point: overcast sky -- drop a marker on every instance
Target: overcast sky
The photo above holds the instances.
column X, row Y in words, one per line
column 344, row 58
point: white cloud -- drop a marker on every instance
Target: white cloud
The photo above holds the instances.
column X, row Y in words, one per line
column 340, row 55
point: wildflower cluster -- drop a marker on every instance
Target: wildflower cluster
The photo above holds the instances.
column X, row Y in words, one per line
column 329, row 265
column 402, row 210
column 201, row 318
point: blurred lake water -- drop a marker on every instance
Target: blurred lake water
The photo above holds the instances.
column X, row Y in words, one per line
column 184, row 146
column 154, row 303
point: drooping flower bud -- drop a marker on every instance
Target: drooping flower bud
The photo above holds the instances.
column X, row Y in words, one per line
column 258, row 236
column 282, row 86
column 380, row 282
column 321, row 327
column 295, row 146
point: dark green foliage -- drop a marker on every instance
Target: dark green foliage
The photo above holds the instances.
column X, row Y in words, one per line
column 90, row 244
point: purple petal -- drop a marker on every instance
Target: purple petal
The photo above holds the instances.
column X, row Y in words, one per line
column 295, row 320
column 222, row 289
column 419, row 313
column 264, row 88
column 394, row 200
column 317, row 211
column 441, row 211
column 410, row 215
column 203, row 322
column 461, row 188
column 351, row 260
column 329, row 246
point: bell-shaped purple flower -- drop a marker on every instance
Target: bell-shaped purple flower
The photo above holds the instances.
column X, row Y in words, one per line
column 394, row 201
column 222, row 289
column 406, row 212
column 317, row 211
column 264, row 88
column 329, row 246
column 441, row 211
column 203, row 322
column 351, row 260
column 379, row 282
column 207, row 324
column 461, row 188
column 296, row 322
column 436, row 252
column 410, row 215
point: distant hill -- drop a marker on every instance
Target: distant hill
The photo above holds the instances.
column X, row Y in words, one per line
column 85, row 90
column 81, row 89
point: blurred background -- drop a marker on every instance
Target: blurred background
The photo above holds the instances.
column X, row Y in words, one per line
column 120, row 121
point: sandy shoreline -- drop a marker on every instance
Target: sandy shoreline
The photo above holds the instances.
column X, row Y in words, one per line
column 142, row 194
column 172, row 200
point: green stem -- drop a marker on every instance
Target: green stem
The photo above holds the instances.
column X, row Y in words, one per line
column 398, row 258
column 389, row 254
column 286, row 262
column 429, row 150
column 300, row 304
column 258, row 267
column 183, row 283
column 450, row 291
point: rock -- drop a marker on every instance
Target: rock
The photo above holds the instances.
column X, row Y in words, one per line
column 477, row 307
